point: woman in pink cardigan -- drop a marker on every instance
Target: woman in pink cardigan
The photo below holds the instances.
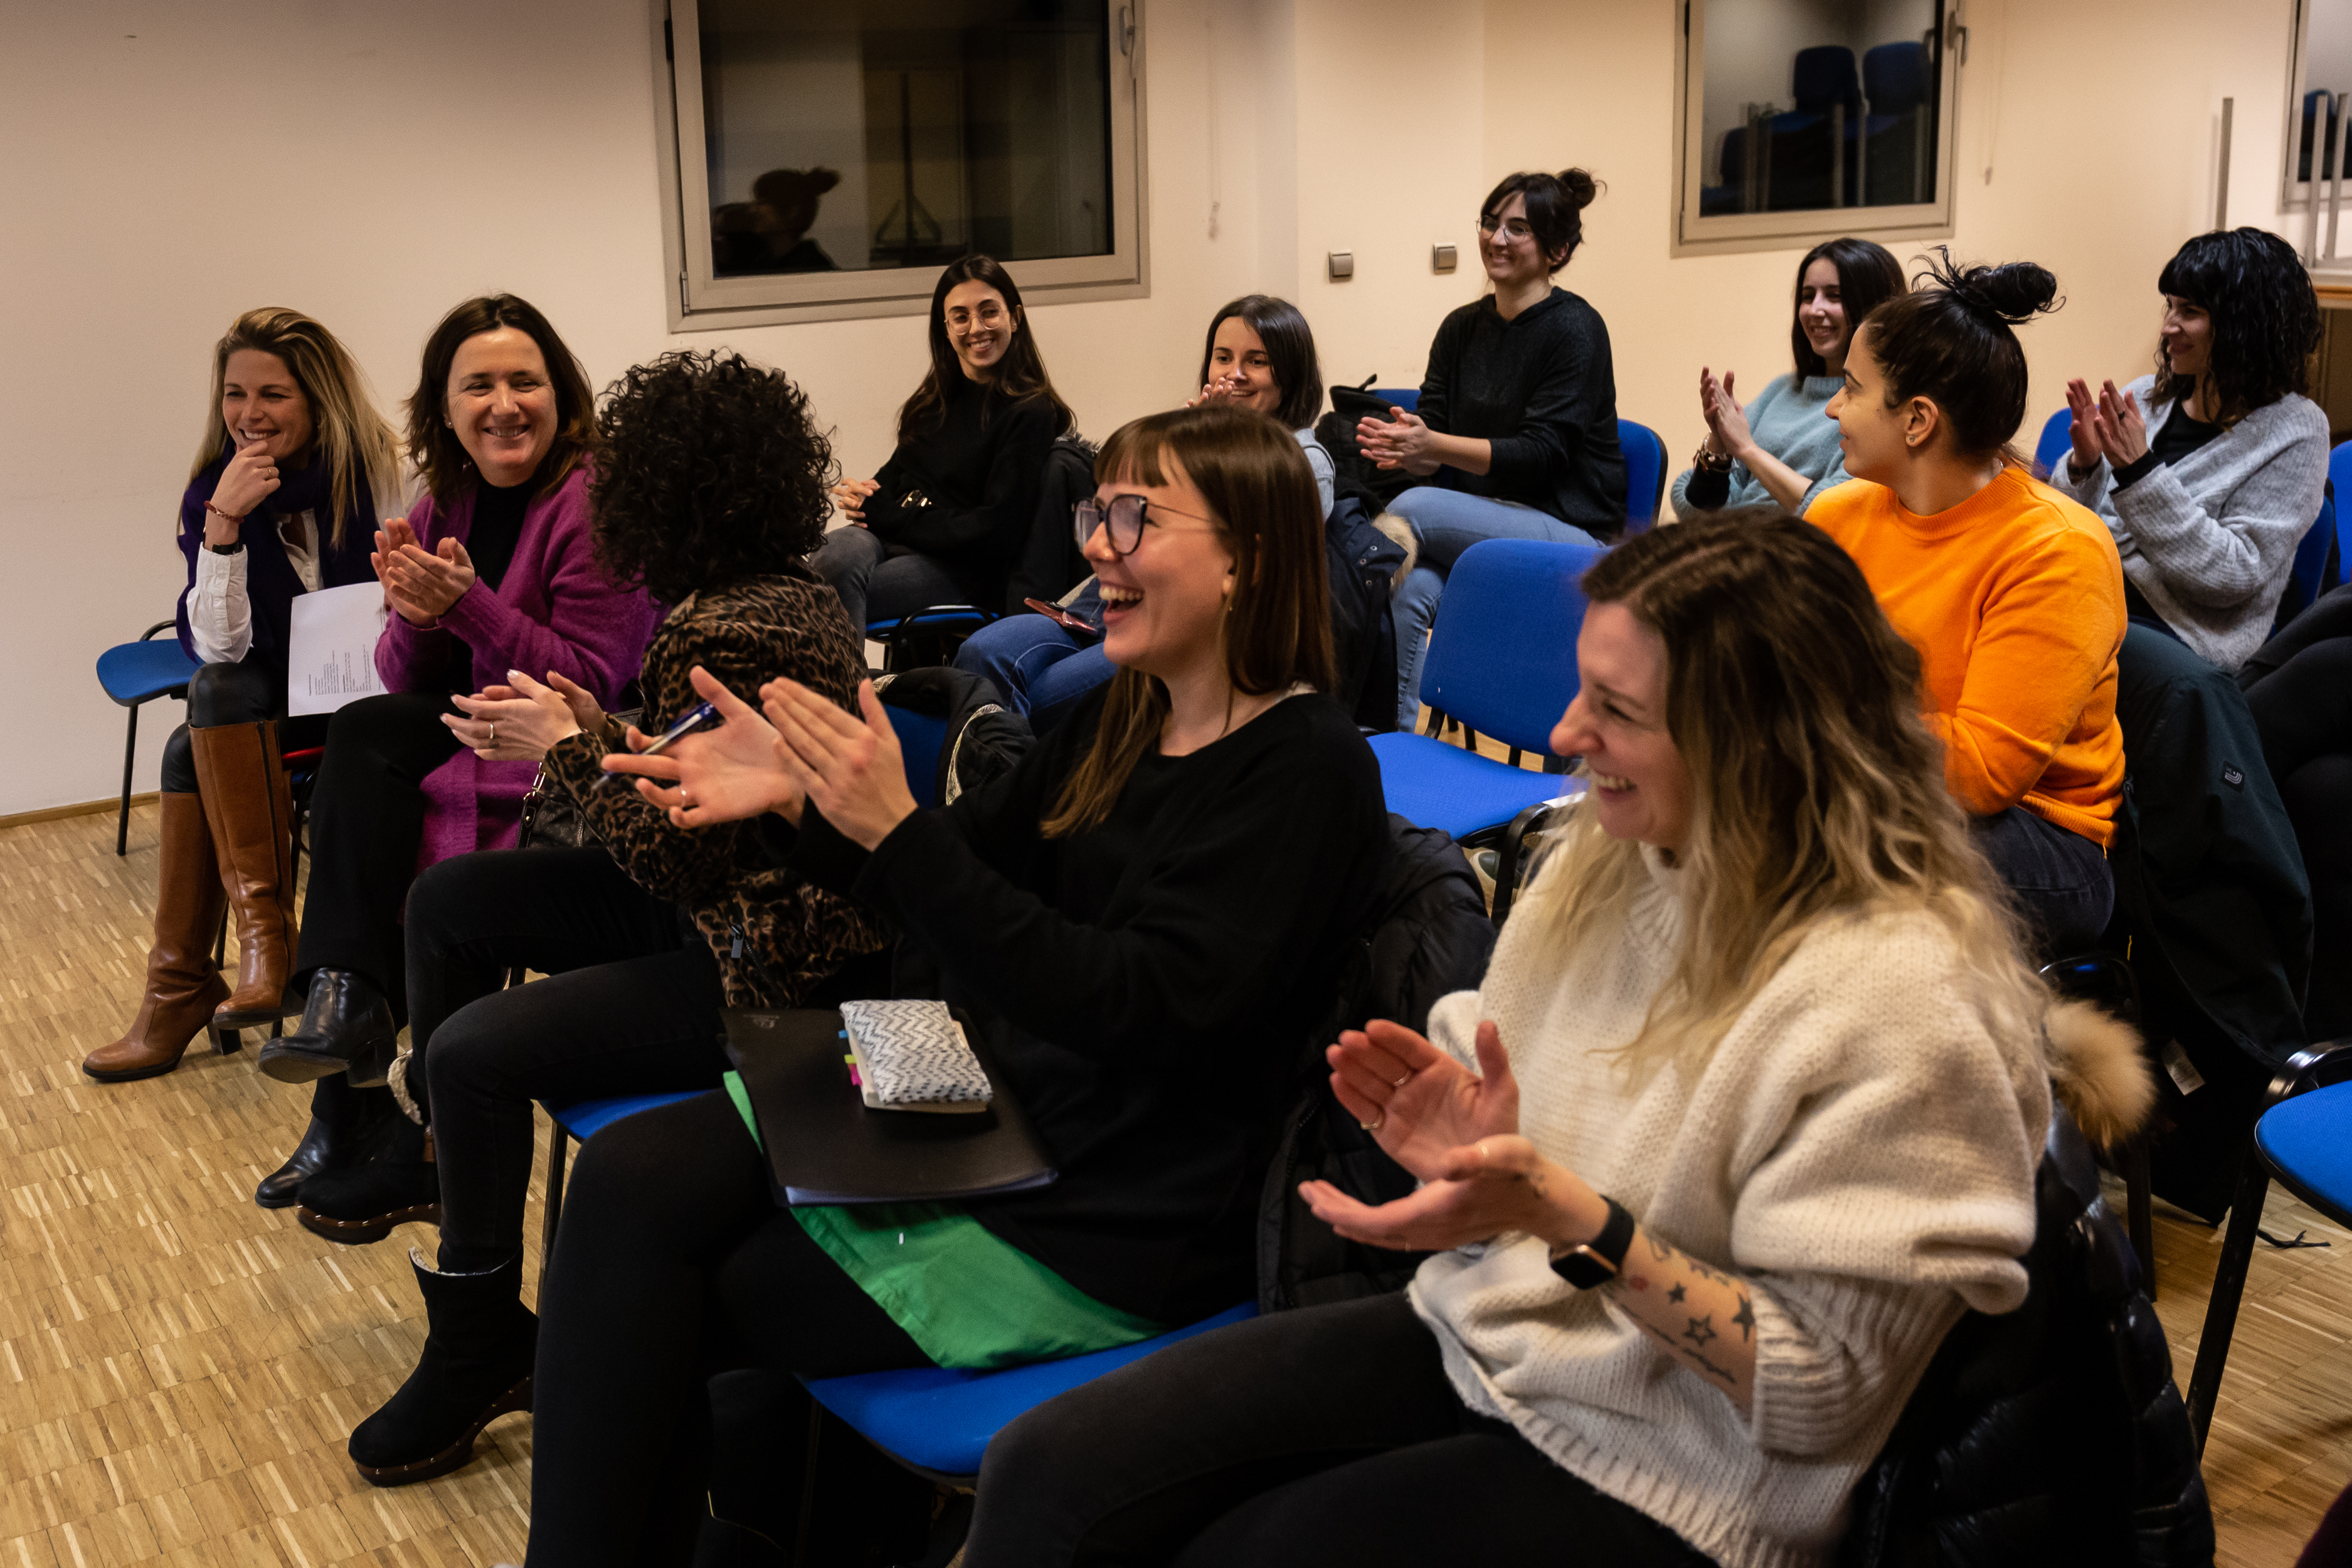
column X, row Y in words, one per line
column 495, row 572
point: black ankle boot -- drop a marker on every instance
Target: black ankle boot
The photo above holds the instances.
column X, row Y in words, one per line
column 344, row 1125
column 476, row 1367
column 360, row 1203
column 346, row 1027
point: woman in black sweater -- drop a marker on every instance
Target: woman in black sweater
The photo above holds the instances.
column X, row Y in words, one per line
column 945, row 521
column 1145, row 918
column 1516, row 427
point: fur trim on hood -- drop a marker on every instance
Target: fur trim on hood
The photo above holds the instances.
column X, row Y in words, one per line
column 2098, row 1072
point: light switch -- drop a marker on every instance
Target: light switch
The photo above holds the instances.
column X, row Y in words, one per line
column 1441, row 258
column 1343, row 265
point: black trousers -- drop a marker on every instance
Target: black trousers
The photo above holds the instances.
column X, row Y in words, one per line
column 2060, row 880
column 2299, row 687
column 675, row 1264
column 367, row 817
column 1325, row 1435
column 245, row 693
column 629, row 1007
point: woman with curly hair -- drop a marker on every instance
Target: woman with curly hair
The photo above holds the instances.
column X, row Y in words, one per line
column 2011, row 591
column 492, row 569
column 710, row 493
column 945, row 519
column 2209, row 472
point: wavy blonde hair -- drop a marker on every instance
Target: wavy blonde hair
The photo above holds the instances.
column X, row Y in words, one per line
column 1817, row 791
column 356, row 442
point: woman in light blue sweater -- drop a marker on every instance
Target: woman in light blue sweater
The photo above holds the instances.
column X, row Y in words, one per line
column 2210, row 472
column 1782, row 446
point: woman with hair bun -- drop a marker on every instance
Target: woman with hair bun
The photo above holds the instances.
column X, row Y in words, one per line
column 1778, row 448
column 1516, row 427
column 2012, row 592
column 2210, row 472
column 944, row 520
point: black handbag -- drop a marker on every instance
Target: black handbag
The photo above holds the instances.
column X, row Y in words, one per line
column 552, row 819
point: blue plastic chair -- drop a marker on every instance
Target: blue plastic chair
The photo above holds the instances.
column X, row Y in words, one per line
column 940, row 629
column 2304, row 1142
column 2340, row 474
column 134, row 673
column 580, row 1121
column 2057, row 435
column 937, row 1421
column 1645, row 474
column 1405, row 397
column 2315, row 568
column 1502, row 660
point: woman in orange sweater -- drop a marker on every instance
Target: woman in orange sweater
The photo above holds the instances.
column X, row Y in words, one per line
column 2012, row 594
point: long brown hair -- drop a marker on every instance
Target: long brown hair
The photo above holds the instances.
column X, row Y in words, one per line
column 434, row 447
column 1817, row 790
column 1276, row 630
column 1868, row 275
column 1020, row 374
column 349, row 437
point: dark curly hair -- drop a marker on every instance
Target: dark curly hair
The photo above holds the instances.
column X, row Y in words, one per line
column 2265, row 320
column 711, row 472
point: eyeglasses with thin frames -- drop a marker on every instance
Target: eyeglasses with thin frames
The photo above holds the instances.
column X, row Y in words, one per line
column 1512, row 228
column 1122, row 521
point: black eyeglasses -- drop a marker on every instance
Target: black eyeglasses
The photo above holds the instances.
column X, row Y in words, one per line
column 1121, row 521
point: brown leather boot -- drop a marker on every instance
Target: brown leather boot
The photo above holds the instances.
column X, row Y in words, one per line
column 251, row 809
column 182, row 988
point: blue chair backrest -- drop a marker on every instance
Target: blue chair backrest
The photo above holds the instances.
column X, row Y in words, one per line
column 1405, row 397
column 2057, row 434
column 921, row 736
column 2309, row 576
column 1895, row 76
column 1645, row 473
column 1733, row 165
column 1824, row 75
column 1502, row 657
column 2339, row 473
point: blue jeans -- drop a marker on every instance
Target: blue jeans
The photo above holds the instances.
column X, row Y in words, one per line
column 2060, row 880
column 1041, row 671
column 1448, row 523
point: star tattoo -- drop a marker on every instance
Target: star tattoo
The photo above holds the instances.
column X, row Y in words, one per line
column 1677, row 1293
column 1701, row 1329
column 1746, row 1319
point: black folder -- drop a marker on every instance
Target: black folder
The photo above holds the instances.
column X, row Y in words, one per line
column 826, row 1146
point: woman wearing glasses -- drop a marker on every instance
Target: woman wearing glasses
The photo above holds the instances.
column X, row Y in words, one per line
column 1145, row 919
column 1516, row 428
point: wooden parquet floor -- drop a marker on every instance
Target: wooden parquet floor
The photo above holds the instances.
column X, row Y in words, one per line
column 179, row 1369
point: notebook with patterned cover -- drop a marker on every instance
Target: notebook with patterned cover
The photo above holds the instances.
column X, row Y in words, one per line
column 912, row 1056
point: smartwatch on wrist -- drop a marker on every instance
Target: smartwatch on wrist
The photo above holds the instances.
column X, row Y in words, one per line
column 1598, row 1262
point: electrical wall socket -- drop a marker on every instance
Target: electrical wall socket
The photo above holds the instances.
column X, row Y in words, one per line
column 1343, row 266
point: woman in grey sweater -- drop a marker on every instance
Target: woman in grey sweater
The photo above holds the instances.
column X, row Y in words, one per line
column 1782, row 446
column 2210, row 472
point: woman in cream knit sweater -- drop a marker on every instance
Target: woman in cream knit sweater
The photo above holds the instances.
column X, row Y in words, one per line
column 1744, row 1116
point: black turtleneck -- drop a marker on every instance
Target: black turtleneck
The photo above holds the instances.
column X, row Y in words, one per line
column 496, row 527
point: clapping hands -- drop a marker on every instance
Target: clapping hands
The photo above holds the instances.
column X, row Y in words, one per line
column 421, row 588
column 2109, row 425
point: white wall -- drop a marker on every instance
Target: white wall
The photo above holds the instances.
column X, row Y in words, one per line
column 383, row 162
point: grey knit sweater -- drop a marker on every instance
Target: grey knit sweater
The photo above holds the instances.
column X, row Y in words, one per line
column 2209, row 539
column 1860, row 1147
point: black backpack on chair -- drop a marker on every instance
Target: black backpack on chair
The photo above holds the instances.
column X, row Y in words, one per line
column 1362, row 563
column 1430, row 935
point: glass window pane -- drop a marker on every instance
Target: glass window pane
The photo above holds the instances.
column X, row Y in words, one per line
column 2327, row 80
column 882, row 135
column 1828, row 105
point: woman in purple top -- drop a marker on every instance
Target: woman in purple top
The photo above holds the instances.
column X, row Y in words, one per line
column 494, row 572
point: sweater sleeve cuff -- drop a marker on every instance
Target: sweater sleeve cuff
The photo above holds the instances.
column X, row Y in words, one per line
column 1708, row 489
column 2131, row 473
column 483, row 619
column 822, row 856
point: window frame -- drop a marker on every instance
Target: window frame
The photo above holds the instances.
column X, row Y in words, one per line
column 697, row 302
column 1694, row 234
column 2297, row 195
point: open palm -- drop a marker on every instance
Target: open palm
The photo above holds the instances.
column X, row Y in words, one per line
column 1420, row 1103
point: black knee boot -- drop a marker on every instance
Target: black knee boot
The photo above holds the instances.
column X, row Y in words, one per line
column 476, row 1367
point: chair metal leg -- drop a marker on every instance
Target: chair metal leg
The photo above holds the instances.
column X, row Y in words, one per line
column 130, row 755
column 2139, row 1203
column 2228, row 1289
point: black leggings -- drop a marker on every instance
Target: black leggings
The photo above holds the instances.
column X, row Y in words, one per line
column 1325, row 1435
column 2299, row 686
column 367, row 817
column 675, row 1264
column 246, row 693
column 629, row 1007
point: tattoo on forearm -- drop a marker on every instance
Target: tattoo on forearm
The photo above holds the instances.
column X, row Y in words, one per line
column 1746, row 1319
column 1700, row 1330
column 1691, row 1354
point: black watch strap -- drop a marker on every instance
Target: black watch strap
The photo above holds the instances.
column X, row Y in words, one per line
column 1598, row 1262
column 225, row 549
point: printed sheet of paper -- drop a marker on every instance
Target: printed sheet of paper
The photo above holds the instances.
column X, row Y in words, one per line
column 330, row 658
